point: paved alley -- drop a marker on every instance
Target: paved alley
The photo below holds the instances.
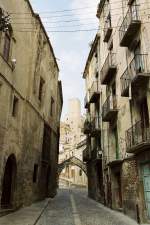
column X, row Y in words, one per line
column 72, row 207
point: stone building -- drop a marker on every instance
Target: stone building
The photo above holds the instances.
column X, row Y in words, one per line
column 30, row 109
column 72, row 144
column 92, row 155
column 122, row 89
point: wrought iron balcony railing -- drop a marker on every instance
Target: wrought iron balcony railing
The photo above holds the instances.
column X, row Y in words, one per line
column 130, row 26
column 95, row 126
column 95, row 92
column 87, row 126
column 109, row 109
column 136, row 74
column 86, row 101
column 139, row 66
column 109, row 68
column 138, row 137
column 107, row 30
column 100, row 8
column 125, row 83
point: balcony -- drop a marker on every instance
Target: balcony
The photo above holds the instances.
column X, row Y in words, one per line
column 100, row 8
column 139, row 70
column 86, row 155
column 107, row 31
column 138, row 137
column 86, row 102
column 113, row 161
column 125, row 83
column 87, row 127
column 94, row 92
column 109, row 68
column 130, row 26
column 109, row 109
column 136, row 74
column 95, row 126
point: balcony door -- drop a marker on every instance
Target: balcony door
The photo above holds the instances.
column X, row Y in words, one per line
column 146, row 184
column 139, row 66
column 144, row 113
column 114, row 95
column 115, row 144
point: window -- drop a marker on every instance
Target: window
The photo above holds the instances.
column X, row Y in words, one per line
column 80, row 173
column 0, row 86
column 15, row 106
column 6, row 50
column 52, row 107
column 35, row 172
column 41, row 88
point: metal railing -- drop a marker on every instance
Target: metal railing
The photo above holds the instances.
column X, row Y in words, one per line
column 107, row 28
column 110, row 104
column 95, row 88
column 138, row 134
column 95, row 123
column 100, row 7
column 109, row 62
column 87, row 125
column 138, row 65
column 125, row 80
column 131, row 16
column 86, row 100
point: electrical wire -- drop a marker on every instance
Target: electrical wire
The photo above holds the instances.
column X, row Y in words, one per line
column 59, row 21
column 66, row 10
column 50, row 17
column 57, row 11
column 70, row 26
column 59, row 31
column 67, row 15
column 72, row 31
column 76, row 20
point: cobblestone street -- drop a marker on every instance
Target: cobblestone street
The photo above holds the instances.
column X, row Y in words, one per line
column 69, row 207
column 72, row 207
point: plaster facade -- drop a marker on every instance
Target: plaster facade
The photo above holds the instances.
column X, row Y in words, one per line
column 119, row 64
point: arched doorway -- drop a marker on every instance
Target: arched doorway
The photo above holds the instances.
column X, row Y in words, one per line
column 9, row 182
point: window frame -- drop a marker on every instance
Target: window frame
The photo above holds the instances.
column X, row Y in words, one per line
column 41, row 87
column 15, row 106
column 7, row 47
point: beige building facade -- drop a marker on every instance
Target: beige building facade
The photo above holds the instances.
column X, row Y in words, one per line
column 120, row 54
column 30, row 109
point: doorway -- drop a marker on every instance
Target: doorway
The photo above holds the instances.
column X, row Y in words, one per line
column 9, row 180
column 146, row 184
column 118, row 190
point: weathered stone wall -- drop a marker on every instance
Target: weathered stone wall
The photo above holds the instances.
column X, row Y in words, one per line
column 22, row 134
column 129, row 187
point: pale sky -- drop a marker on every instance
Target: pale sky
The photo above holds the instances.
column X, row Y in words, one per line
column 71, row 49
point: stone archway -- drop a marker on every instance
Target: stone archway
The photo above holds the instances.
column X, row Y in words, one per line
column 72, row 160
column 9, row 180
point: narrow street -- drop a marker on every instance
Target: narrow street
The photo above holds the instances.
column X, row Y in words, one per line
column 73, row 207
